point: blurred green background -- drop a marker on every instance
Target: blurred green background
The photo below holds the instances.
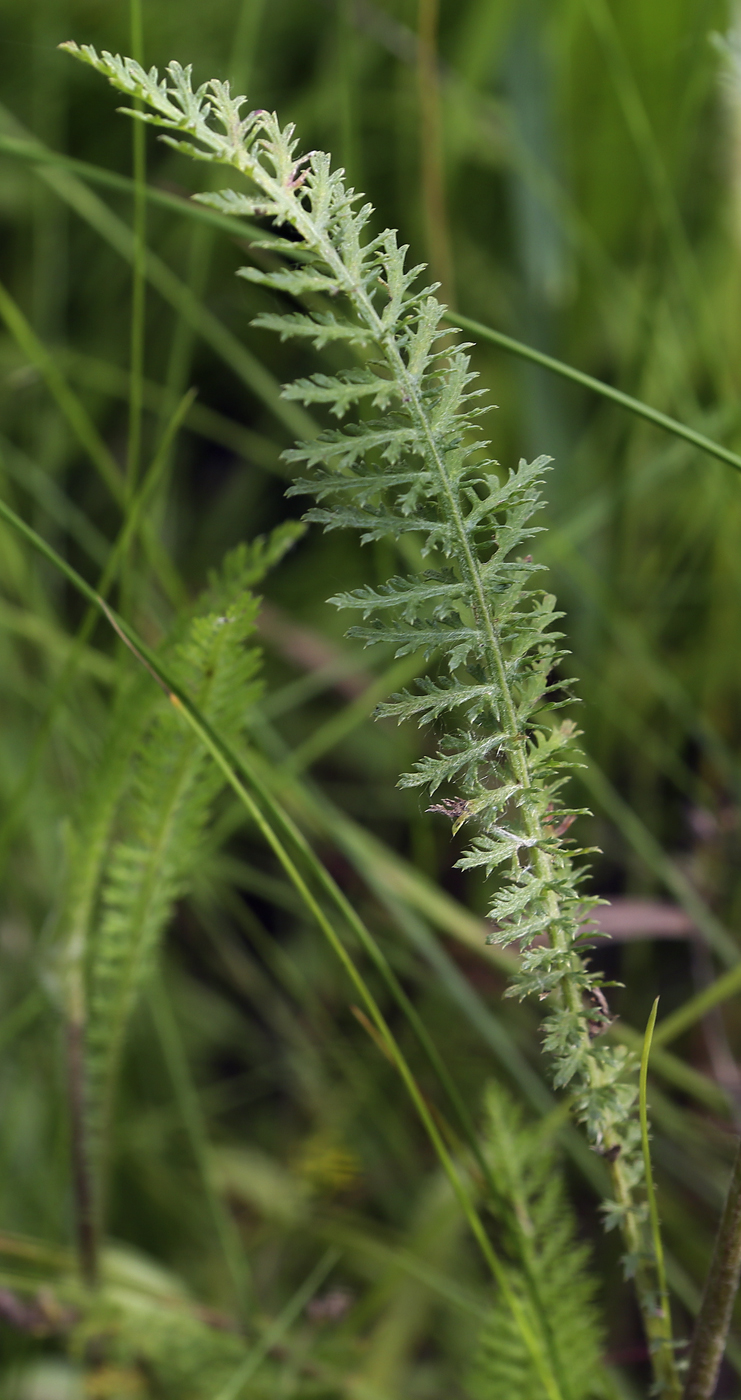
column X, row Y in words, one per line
column 572, row 171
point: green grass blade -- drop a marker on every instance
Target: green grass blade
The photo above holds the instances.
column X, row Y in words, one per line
column 277, row 1330
column 597, row 386
column 26, row 473
column 674, row 1071
column 67, row 401
column 722, row 989
column 231, row 766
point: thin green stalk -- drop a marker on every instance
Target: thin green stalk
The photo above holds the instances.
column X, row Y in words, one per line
column 676, row 1072
column 663, row 1349
column 716, row 1310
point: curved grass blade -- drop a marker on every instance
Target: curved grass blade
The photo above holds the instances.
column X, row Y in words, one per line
column 597, row 386
column 231, row 765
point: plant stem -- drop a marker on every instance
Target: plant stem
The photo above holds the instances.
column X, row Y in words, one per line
column 714, row 1317
column 233, row 769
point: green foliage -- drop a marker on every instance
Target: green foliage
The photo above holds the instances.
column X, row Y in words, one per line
column 548, row 1268
column 143, row 822
column 142, row 1328
column 588, row 183
column 173, row 787
column 422, row 469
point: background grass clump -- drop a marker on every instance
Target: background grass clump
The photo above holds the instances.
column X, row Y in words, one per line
column 279, row 1224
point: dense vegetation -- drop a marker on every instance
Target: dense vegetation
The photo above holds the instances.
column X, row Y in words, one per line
column 238, row 1197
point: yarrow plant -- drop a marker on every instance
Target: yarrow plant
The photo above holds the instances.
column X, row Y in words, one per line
column 409, row 461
